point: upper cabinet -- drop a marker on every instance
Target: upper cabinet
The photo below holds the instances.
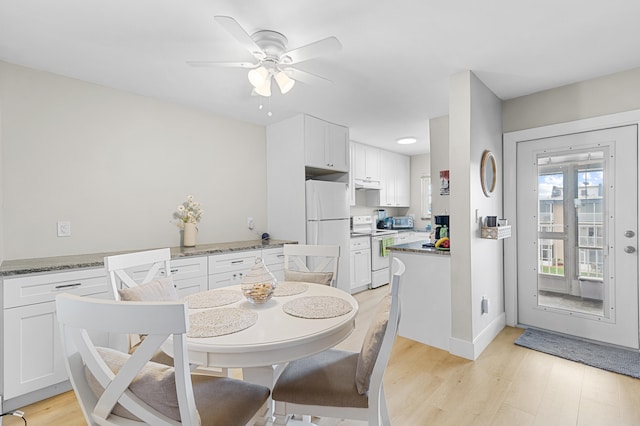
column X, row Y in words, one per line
column 326, row 145
column 395, row 181
column 366, row 165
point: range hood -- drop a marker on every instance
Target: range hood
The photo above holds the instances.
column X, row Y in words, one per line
column 366, row 184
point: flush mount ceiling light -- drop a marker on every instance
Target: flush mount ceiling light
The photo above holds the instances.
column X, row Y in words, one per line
column 407, row 140
column 273, row 60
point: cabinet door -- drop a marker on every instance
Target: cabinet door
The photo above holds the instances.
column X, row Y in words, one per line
column 362, row 268
column 32, row 349
column 225, row 279
column 366, row 162
column 274, row 261
column 314, row 142
column 326, row 145
column 403, row 181
column 337, row 150
column 388, row 179
column 33, row 356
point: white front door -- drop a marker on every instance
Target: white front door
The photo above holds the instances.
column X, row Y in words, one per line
column 577, row 224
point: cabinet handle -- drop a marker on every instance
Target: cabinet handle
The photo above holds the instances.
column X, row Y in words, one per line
column 68, row 285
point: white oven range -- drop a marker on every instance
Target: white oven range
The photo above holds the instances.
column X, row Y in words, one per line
column 365, row 225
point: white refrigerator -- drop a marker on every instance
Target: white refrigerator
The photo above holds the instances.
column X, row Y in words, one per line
column 327, row 206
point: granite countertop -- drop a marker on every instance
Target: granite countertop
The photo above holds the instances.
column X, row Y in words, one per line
column 94, row 260
column 416, row 247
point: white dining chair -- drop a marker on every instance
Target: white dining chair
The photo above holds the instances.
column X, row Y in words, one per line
column 116, row 388
column 119, row 268
column 311, row 263
column 342, row 384
column 154, row 283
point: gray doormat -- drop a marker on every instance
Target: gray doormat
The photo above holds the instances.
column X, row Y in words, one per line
column 622, row 361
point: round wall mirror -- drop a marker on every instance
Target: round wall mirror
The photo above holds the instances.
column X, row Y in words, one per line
column 488, row 173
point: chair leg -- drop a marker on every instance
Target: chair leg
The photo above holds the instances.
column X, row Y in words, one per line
column 384, row 412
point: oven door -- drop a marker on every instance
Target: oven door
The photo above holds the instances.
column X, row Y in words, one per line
column 378, row 261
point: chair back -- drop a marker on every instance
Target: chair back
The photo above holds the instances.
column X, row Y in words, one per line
column 80, row 317
column 390, row 333
column 312, row 258
column 122, row 268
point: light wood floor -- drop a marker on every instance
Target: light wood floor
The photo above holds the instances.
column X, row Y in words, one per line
column 506, row 385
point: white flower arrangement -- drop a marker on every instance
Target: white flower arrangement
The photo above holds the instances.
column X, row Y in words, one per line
column 188, row 212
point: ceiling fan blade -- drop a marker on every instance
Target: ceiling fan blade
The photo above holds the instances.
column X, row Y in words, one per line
column 306, row 77
column 233, row 27
column 311, row 50
column 222, row 64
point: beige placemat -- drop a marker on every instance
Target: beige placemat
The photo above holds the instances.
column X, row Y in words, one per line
column 212, row 298
column 290, row 288
column 316, row 307
column 218, row 322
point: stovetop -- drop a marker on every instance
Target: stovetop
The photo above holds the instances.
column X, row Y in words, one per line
column 364, row 225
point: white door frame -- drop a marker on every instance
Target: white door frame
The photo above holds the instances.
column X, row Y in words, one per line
column 509, row 145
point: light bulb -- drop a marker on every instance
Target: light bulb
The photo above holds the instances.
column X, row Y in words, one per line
column 258, row 76
column 265, row 89
column 285, row 83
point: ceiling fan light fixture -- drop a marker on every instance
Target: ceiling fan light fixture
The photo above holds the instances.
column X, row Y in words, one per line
column 265, row 89
column 285, row 83
column 258, row 76
column 408, row 140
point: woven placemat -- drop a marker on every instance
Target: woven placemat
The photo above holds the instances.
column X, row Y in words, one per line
column 317, row 307
column 290, row 288
column 212, row 298
column 218, row 322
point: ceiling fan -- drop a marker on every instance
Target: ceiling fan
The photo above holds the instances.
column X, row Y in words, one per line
column 272, row 59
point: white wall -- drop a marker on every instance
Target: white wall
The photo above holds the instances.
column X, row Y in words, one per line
column 474, row 126
column 439, row 158
column 117, row 165
column 420, row 166
column 591, row 98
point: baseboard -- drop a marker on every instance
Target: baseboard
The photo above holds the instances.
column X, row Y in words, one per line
column 27, row 399
column 472, row 350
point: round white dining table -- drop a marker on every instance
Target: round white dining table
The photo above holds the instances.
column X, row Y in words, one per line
column 275, row 339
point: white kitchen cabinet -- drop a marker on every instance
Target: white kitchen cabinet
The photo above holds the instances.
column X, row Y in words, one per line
column 274, row 261
column 360, row 263
column 326, row 145
column 189, row 274
column 366, row 164
column 230, row 268
column 395, row 185
column 32, row 352
column 405, row 237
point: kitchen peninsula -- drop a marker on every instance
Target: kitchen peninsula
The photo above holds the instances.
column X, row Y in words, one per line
column 32, row 366
column 425, row 294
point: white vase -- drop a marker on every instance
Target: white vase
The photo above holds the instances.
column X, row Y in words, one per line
column 189, row 235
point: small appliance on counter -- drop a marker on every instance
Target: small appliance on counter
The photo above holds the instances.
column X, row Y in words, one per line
column 403, row 222
column 442, row 226
column 382, row 217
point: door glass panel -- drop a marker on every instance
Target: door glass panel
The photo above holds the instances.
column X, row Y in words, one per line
column 571, row 232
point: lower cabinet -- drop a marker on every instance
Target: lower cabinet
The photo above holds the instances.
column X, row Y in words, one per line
column 32, row 350
column 230, row 268
column 360, row 256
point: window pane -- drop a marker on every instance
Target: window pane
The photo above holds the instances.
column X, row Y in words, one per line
column 550, row 202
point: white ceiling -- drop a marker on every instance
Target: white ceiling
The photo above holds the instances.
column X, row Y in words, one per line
column 390, row 77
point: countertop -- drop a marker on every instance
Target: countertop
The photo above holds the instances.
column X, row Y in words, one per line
column 93, row 260
column 416, row 247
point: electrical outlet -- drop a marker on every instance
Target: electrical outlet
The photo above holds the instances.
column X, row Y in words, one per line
column 64, row 229
column 250, row 223
column 484, row 306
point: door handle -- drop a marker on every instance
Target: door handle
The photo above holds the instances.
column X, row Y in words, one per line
column 629, row 249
